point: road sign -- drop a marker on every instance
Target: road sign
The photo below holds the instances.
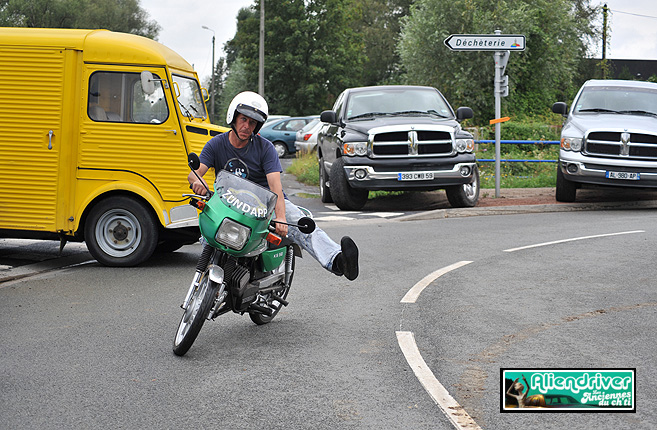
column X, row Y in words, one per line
column 486, row 42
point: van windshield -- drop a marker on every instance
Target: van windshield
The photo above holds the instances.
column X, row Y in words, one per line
column 190, row 98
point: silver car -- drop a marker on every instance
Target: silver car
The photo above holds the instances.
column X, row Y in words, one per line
column 609, row 137
column 306, row 139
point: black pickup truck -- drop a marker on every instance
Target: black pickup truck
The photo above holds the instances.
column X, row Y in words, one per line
column 395, row 138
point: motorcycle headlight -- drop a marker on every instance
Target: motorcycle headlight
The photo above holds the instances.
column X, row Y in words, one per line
column 232, row 234
column 464, row 145
column 571, row 143
column 355, row 148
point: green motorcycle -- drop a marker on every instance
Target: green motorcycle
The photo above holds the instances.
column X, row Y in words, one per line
column 244, row 267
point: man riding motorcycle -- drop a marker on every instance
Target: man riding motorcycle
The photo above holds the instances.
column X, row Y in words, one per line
column 245, row 153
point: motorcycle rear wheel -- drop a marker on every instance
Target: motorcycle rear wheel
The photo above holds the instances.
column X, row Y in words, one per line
column 261, row 319
column 195, row 315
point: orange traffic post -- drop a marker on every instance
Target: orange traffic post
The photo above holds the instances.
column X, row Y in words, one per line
column 498, row 120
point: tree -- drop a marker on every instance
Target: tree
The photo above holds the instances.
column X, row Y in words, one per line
column 557, row 34
column 380, row 25
column 312, row 52
column 219, row 83
column 237, row 80
column 117, row 15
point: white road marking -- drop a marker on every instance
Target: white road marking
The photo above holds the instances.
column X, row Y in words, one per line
column 333, row 218
column 450, row 407
column 383, row 214
column 572, row 240
column 412, row 294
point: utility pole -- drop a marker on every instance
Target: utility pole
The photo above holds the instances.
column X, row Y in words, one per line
column 261, row 64
column 605, row 11
column 211, row 78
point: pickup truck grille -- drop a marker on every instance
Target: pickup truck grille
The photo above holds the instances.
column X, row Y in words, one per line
column 411, row 143
column 622, row 144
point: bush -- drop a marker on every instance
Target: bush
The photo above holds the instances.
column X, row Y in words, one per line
column 512, row 175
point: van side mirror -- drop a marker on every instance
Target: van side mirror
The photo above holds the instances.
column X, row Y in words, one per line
column 463, row 113
column 147, row 83
column 328, row 116
column 560, row 108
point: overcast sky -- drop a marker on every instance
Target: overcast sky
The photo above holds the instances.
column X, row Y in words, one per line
column 632, row 36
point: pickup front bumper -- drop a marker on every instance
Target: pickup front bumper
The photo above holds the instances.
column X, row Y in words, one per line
column 385, row 174
column 593, row 170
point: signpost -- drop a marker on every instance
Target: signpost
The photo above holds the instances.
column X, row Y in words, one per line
column 502, row 44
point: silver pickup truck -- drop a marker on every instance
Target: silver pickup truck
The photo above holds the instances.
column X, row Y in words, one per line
column 609, row 137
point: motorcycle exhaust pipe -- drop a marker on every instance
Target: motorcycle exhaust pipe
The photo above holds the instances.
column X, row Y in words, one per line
column 262, row 309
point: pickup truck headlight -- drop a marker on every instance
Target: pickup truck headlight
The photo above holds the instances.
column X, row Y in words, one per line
column 571, row 143
column 464, row 145
column 355, row 148
column 232, row 234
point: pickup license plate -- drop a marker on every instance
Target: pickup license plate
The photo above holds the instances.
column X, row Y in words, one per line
column 415, row 176
column 630, row 176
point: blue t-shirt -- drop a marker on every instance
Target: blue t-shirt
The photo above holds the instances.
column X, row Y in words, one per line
column 253, row 162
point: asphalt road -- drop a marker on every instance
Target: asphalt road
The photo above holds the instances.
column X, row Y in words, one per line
column 90, row 347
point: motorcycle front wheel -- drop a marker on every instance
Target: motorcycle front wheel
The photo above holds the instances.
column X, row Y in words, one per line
column 195, row 315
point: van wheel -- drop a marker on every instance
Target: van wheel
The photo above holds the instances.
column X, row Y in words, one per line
column 566, row 191
column 120, row 231
column 324, row 190
column 466, row 195
column 344, row 196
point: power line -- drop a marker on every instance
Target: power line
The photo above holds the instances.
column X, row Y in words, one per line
column 633, row 14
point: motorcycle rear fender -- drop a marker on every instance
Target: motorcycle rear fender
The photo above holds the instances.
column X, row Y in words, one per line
column 216, row 274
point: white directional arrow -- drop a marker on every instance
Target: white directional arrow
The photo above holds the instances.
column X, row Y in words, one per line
column 486, row 42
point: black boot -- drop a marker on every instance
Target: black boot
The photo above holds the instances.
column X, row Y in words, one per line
column 346, row 262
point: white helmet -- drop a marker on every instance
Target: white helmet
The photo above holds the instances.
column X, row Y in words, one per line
column 249, row 104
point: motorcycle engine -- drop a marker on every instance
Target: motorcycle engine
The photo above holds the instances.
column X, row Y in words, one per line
column 237, row 279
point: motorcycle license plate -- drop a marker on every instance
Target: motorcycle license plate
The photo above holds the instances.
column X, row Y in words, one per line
column 631, row 176
column 415, row 176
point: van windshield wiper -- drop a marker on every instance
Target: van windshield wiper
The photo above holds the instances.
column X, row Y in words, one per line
column 185, row 111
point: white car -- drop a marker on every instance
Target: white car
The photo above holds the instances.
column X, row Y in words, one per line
column 306, row 139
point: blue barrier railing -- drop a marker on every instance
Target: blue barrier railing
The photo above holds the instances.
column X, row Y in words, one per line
column 519, row 142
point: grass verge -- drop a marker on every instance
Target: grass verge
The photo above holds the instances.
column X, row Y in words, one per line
column 512, row 174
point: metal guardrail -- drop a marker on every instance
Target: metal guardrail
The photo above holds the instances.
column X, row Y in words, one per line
column 519, row 142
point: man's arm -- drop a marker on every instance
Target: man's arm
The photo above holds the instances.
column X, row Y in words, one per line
column 199, row 187
column 276, row 186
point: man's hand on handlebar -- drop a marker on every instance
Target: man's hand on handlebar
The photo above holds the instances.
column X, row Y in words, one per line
column 199, row 188
column 281, row 229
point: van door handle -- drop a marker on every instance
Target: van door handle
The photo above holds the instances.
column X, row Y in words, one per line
column 50, row 134
column 175, row 132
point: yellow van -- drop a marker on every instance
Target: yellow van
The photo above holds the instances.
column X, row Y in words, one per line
column 95, row 128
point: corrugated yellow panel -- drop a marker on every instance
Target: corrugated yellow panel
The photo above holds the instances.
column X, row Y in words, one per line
column 31, row 86
column 151, row 151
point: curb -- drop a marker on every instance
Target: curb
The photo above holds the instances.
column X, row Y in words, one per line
column 527, row 209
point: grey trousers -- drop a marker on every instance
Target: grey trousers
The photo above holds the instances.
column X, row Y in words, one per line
column 318, row 244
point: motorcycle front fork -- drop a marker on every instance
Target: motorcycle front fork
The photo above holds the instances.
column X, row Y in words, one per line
column 201, row 265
